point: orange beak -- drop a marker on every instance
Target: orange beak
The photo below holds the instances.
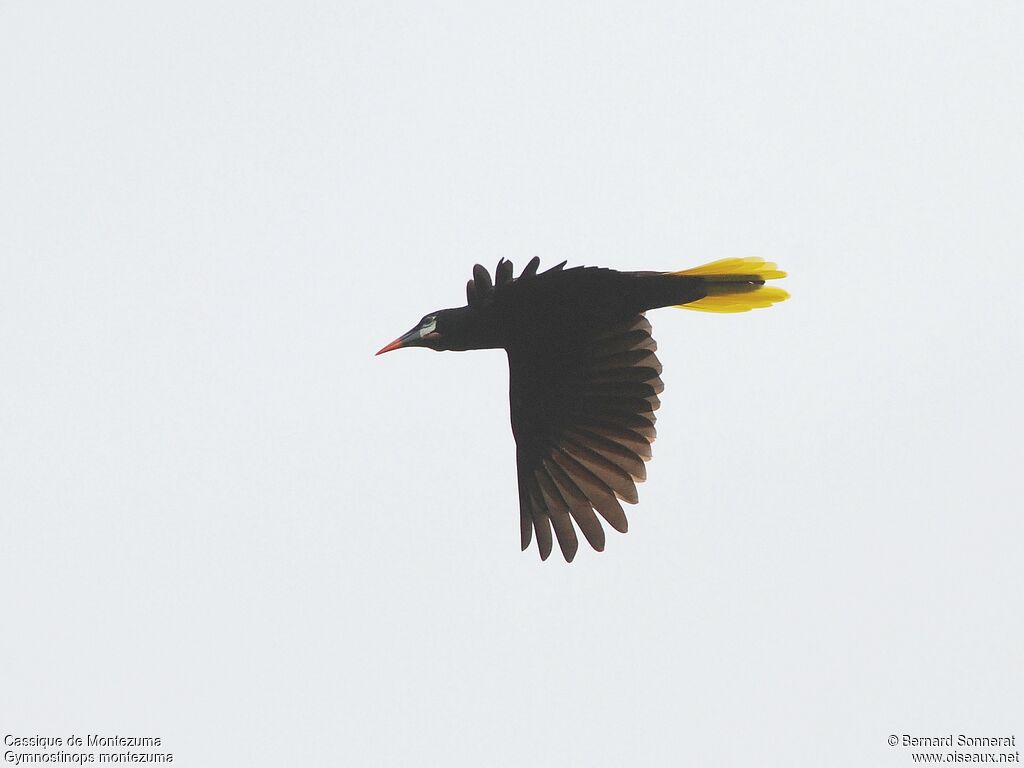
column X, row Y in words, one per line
column 396, row 344
column 411, row 339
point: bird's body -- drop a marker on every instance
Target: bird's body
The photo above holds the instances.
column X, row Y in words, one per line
column 583, row 376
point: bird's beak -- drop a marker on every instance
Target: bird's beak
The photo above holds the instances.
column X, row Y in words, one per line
column 413, row 338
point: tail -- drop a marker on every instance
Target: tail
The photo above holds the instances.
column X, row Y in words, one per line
column 735, row 285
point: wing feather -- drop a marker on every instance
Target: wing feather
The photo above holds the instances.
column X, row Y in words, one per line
column 532, row 502
column 623, row 457
column 583, row 418
column 595, row 494
column 558, row 513
column 611, row 474
column 579, row 506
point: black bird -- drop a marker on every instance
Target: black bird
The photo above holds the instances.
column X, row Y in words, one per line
column 583, row 377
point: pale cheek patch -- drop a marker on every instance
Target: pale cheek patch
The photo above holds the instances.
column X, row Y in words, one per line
column 428, row 328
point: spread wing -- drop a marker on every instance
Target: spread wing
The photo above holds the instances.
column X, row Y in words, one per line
column 583, row 420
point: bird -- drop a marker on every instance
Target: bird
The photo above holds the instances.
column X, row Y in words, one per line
column 584, row 378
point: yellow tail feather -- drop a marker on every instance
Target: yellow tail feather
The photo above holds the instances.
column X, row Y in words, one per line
column 725, row 268
column 736, row 285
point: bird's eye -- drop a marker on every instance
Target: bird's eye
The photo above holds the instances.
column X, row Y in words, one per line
column 428, row 325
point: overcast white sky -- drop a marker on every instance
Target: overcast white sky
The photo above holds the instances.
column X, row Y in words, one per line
column 225, row 523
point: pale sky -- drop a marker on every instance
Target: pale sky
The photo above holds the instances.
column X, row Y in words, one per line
column 227, row 524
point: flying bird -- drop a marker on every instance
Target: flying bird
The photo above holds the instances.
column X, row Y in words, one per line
column 584, row 379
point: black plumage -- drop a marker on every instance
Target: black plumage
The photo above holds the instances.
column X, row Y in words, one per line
column 584, row 378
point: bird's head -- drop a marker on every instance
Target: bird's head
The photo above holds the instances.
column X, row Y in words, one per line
column 474, row 326
column 444, row 329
